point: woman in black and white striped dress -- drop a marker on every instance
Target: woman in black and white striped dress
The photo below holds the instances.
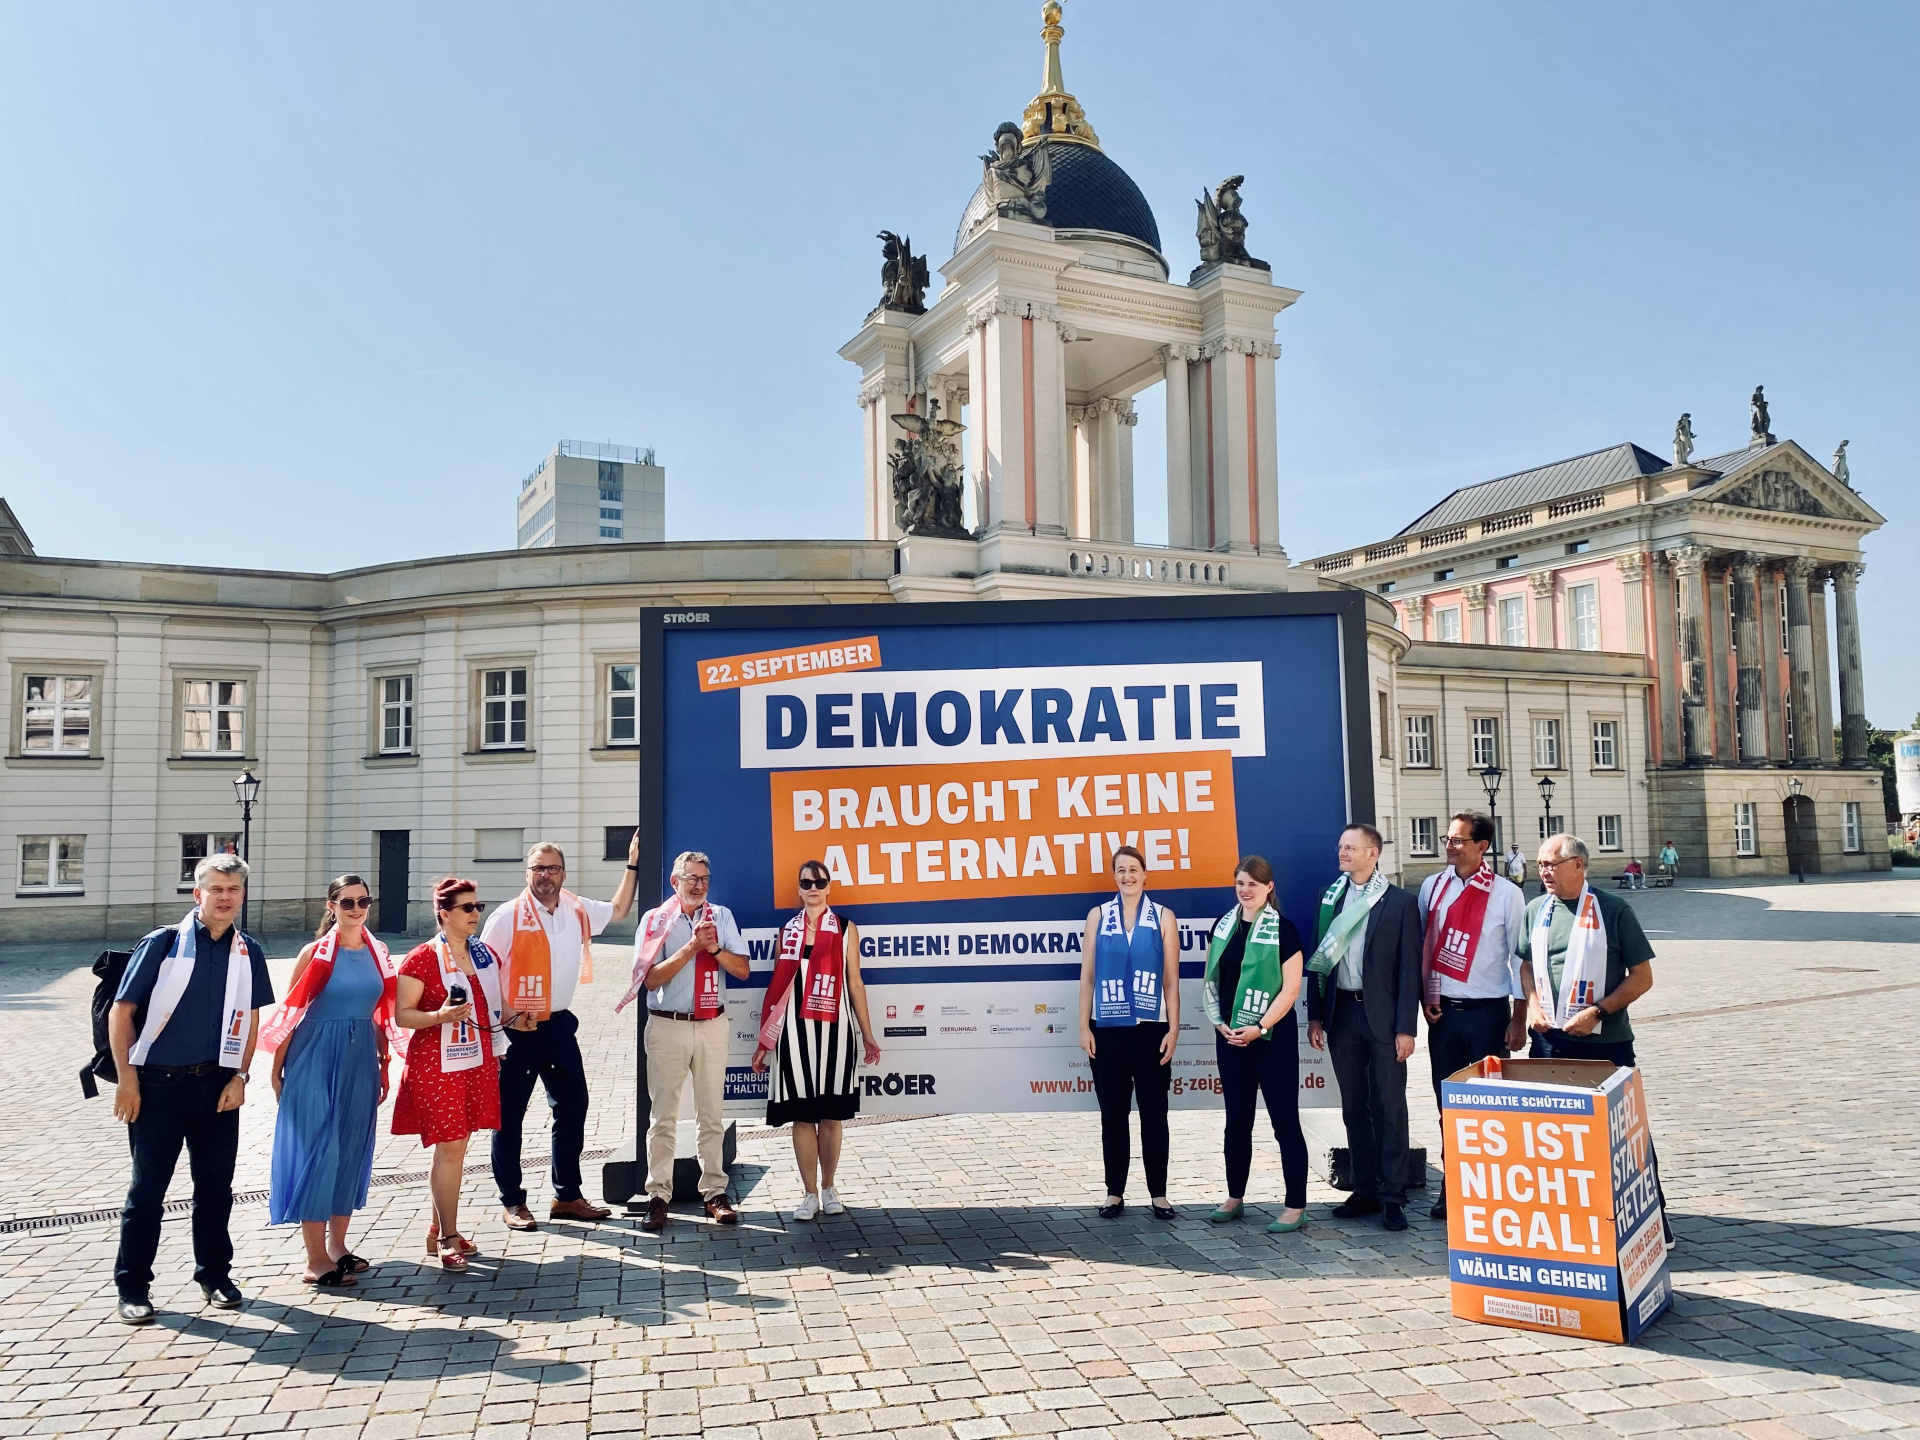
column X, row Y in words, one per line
column 808, row 1029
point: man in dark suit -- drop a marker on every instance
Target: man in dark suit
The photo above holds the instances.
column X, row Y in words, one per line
column 1367, row 965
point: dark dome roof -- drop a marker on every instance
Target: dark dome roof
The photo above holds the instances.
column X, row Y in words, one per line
column 1088, row 192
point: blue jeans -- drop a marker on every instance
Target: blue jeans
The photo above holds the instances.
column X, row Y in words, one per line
column 1558, row 1045
column 178, row 1110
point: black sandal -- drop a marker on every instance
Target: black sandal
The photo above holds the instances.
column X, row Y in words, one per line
column 335, row 1279
column 352, row 1264
column 1112, row 1212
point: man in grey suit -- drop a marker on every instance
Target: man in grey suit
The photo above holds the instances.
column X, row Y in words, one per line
column 1366, row 966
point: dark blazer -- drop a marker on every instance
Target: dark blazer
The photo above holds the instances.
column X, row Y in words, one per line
column 1390, row 981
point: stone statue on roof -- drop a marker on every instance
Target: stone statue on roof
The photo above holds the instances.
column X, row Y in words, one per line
column 1840, row 465
column 1762, row 422
column 1683, row 440
column 925, row 468
column 903, row 276
column 1017, row 182
column 1222, row 229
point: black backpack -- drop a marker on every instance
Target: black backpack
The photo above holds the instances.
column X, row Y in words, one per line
column 108, row 969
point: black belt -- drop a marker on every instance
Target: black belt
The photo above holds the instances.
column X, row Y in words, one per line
column 678, row 1015
column 180, row 1072
column 1356, row 994
column 1476, row 1002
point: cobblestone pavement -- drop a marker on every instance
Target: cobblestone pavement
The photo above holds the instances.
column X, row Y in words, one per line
column 972, row 1292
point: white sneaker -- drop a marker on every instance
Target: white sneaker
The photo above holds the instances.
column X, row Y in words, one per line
column 830, row 1202
column 808, row 1208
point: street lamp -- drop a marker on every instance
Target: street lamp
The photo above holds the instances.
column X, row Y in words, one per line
column 246, row 789
column 1794, row 787
column 1490, row 782
column 1546, row 801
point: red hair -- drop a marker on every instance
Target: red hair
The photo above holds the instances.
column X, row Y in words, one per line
column 445, row 889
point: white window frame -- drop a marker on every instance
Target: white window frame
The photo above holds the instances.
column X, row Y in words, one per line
column 1419, row 742
column 396, row 713
column 1606, row 744
column 1746, row 830
column 1850, row 827
column 1546, row 743
column 499, row 710
column 219, row 704
column 1508, row 630
column 1606, row 831
column 57, row 711
column 1446, row 625
column 623, row 704
column 1423, row 835
column 57, row 853
column 212, row 842
column 1486, row 741
column 1583, row 617
column 1783, row 620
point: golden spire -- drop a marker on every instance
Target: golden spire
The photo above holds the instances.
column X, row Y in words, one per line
column 1053, row 112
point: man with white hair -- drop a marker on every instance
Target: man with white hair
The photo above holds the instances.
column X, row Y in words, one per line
column 182, row 1029
column 544, row 942
column 1584, row 958
column 679, row 952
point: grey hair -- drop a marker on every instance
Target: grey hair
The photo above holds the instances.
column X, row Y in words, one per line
column 690, row 857
column 220, row 865
column 542, row 846
column 1570, row 847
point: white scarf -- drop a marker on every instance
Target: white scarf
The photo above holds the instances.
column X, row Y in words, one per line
column 1584, row 969
column 460, row 1042
column 171, row 983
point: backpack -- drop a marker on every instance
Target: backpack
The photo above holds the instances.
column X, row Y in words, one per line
column 108, row 970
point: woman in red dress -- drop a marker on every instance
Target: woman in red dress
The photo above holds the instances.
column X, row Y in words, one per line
column 451, row 1085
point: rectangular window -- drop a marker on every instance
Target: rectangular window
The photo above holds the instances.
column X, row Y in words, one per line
column 58, row 717
column 1486, row 741
column 1546, row 744
column 1425, row 836
column 610, row 512
column 1607, row 831
column 52, row 864
column 499, row 844
column 1583, row 616
column 609, row 532
column 1579, row 547
column 622, row 696
column 1446, row 625
column 1385, row 587
column 214, row 718
column 1440, row 577
column 1783, row 619
column 196, row 847
column 1606, row 744
column 396, row 715
column 618, row 837
column 1746, row 840
column 1507, row 562
column 1386, row 726
column 1513, row 620
column 503, row 709
column 1420, row 741
column 1786, row 715
column 1850, row 827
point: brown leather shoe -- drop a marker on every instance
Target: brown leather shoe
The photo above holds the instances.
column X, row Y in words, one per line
column 720, row 1210
column 581, row 1209
column 518, row 1217
column 656, row 1215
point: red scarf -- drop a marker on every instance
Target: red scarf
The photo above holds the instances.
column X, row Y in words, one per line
column 826, row 973
column 654, row 925
column 1451, row 939
column 286, row 1019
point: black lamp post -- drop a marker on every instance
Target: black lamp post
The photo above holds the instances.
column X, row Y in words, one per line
column 246, row 789
column 1490, row 782
column 1546, row 801
column 1794, row 787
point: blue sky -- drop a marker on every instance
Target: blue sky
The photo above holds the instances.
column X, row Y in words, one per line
column 312, row 287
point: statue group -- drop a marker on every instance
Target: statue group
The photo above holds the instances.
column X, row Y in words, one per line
column 903, row 276
column 1017, row 182
column 1222, row 229
column 926, row 475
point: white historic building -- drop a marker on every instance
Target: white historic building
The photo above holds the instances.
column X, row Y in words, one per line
column 414, row 719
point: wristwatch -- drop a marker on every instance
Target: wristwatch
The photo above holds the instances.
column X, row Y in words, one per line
column 1265, row 1030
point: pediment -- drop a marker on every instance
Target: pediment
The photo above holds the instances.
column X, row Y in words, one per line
column 1784, row 480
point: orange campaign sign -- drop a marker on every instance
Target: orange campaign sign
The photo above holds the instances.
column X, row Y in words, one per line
column 1003, row 827
column 731, row 672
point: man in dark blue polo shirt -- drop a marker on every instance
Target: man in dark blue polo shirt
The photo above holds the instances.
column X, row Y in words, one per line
column 183, row 1027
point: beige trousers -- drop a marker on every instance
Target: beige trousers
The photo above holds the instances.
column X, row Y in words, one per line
column 677, row 1049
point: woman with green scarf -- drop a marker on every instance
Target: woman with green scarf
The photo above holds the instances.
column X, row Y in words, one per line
column 1254, row 964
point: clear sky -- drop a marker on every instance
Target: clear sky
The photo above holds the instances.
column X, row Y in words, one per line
column 315, row 286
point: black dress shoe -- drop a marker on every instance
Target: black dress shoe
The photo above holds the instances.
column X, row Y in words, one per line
column 1113, row 1211
column 1354, row 1206
column 134, row 1312
column 1439, row 1210
column 1165, row 1212
column 221, row 1294
column 1392, row 1217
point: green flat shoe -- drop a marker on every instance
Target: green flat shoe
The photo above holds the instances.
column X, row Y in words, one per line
column 1283, row 1227
column 1224, row 1216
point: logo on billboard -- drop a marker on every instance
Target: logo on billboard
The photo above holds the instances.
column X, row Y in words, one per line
column 901, row 1031
column 744, row 1083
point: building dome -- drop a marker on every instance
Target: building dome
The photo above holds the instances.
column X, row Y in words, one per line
column 1089, row 194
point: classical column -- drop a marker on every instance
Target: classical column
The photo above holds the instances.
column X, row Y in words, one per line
column 1806, row 714
column 1688, row 561
column 1180, row 492
column 1666, row 693
column 1544, row 635
column 1748, row 701
column 1822, row 665
column 1083, row 522
column 1633, row 574
column 1112, row 470
column 1474, row 597
column 1853, row 685
column 1415, row 609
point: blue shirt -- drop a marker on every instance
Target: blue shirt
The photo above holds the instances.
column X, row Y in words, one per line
column 192, row 1036
column 676, row 996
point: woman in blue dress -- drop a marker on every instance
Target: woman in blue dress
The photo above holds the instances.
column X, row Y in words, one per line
column 330, row 1043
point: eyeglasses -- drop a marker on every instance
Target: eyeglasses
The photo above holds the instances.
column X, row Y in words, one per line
column 694, row 880
column 351, row 902
column 469, row 907
column 546, row 869
column 807, row 882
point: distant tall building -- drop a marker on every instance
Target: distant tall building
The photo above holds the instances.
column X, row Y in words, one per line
column 591, row 494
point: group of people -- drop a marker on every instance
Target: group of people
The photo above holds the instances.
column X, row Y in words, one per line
column 1483, row 966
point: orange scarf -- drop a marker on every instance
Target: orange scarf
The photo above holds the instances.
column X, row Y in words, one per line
column 529, row 967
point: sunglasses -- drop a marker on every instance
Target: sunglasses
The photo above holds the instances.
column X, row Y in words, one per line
column 809, row 883
column 348, row 902
column 469, row 907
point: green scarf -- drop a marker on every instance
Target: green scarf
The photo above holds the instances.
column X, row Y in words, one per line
column 1259, row 969
column 1335, row 930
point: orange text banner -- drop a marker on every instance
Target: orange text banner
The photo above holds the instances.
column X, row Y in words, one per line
column 1026, row 827
column 730, row 672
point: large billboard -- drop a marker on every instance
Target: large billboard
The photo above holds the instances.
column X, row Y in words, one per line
column 966, row 771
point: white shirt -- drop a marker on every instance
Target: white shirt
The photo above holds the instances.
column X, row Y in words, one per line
column 676, row 996
column 1351, row 972
column 563, row 940
column 1495, row 972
